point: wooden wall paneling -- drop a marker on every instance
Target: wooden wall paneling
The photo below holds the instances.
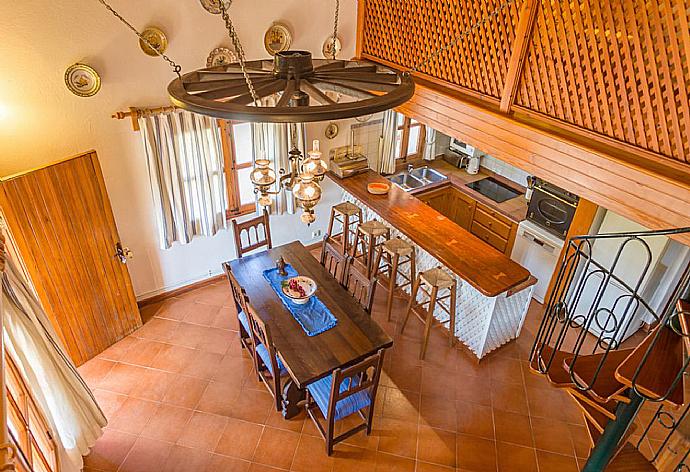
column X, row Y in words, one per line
column 64, row 228
column 523, row 34
column 654, row 200
column 361, row 18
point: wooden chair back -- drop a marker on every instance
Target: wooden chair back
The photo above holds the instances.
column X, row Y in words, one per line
column 359, row 285
column 268, row 375
column 257, row 234
column 239, row 296
column 363, row 376
column 333, row 260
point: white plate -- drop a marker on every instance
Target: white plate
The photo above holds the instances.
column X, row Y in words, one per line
column 306, row 283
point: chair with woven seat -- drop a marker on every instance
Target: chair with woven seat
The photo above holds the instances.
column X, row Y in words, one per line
column 256, row 231
column 240, row 298
column 332, row 259
column 344, row 393
column 368, row 236
column 347, row 214
column 268, row 366
column 359, row 285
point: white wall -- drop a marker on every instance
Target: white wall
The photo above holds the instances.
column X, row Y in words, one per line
column 41, row 121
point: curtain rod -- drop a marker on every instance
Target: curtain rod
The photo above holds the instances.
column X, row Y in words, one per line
column 135, row 113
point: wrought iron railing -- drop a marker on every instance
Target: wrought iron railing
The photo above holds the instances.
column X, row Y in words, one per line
column 670, row 450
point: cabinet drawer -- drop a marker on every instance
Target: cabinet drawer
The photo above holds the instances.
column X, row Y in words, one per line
column 493, row 221
column 488, row 236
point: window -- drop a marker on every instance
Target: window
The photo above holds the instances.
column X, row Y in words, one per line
column 238, row 147
column 27, row 426
column 409, row 141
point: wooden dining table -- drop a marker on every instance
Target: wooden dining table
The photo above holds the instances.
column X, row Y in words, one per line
column 355, row 337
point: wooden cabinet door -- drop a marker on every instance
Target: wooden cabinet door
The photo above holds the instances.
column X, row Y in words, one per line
column 61, row 221
column 437, row 199
column 462, row 210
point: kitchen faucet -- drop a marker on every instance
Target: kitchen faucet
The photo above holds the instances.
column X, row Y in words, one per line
column 410, row 167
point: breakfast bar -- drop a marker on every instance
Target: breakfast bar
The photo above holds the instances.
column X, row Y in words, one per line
column 493, row 292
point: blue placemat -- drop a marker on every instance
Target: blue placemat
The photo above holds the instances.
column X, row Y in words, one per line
column 313, row 316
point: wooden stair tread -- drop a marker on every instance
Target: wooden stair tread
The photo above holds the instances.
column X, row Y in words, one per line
column 597, row 418
column 592, row 431
column 608, row 409
column 556, row 374
column 629, row 459
column 684, row 319
column 662, row 366
column 605, row 385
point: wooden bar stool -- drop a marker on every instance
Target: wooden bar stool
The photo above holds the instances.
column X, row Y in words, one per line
column 435, row 279
column 368, row 237
column 395, row 253
column 347, row 214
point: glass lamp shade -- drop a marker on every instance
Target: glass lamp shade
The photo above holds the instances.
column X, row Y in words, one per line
column 307, row 191
column 262, row 175
column 265, row 200
column 314, row 165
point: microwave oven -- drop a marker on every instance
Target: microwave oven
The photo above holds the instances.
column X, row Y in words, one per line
column 463, row 148
column 552, row 208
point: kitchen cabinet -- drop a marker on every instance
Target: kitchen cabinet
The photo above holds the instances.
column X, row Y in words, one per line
column 488, row 225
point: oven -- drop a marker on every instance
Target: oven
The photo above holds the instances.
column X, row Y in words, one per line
column 552, row 208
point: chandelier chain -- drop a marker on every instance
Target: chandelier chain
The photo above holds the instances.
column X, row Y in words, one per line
column 477, row 25
column 335, row 27
column 175, row 67
column 238, row 48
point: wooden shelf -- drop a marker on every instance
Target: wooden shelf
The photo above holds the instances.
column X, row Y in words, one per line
column 662, row 366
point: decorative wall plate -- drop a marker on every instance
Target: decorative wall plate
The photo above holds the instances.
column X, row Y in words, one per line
column 331, row 131
column 82, row 80
column 277, row 38
column 212, row 6
column 157, row 38
column 363, row 119
column 328, row 47
column 220, row 57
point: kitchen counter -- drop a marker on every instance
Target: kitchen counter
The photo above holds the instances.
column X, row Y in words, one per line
column 493, row 292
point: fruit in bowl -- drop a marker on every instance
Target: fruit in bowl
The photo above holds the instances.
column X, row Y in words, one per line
column 299, row 289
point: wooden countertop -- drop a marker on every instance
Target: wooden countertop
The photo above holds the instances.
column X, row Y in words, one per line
column 473, row 260
column 514, row 209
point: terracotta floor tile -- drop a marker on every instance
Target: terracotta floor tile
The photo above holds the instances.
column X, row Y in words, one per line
column 203, row 431
column 203, row 365
column 389, row 463
column 505, row 369
column 476, row 454
column 219, row 463
column 173, row 358
column 117, row 350
column 401, row 405
column 513, row 428
column 404, row 376
column 151, row 384
column 310, row 456
column 226, row 318
column 556, row 462
column 122, row 378
column 109, row 402
column 436, row 446
column 552, row 436
column 296, row 424
column 509, row 397
column 219, row 398
column 513, row 458
column 437, row 383
column 133, row 415
column 438, row 412
column 235, row 369
column 240, row 439
column 158, row 329
column 472, row 388
column 547, row 403
column 95, row 370
column 252, row 406
column 174, row 309
column 349, row 458
column 146, row 455
column 276, row 448
column 475, row 419
column 143, row 353
column 216, row 294
column 110, row 451
column 581, row 442
column 188, row 335
column 167, row 424
column 219, row 341
column 426, row 467
column 397, row 437
column 184, row 459
column 185, row 391
column 201, row 314
column 255, row 467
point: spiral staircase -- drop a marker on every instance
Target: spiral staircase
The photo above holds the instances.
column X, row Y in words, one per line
column 632, row 391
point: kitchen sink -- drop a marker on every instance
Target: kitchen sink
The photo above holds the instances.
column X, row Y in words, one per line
column 406, row 181
column 427, row 175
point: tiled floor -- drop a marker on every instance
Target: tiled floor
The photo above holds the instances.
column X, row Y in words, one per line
column 179, row 397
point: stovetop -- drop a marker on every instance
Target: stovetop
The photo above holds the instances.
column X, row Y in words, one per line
column 493, row 189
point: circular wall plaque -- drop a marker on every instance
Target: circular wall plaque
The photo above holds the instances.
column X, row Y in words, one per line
column 331, row 130
column 157, row 38
column 82, row 80
column 212, row 6
column 328, row 47
column 277, row 39
column 220, row 57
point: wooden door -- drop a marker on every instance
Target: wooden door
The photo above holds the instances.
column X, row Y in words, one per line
column 462, row 209
column 61, row 221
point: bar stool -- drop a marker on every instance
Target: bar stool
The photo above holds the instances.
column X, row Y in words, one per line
column 436, row 279
column 395, row 253
column 368, row 237
column 347, row 214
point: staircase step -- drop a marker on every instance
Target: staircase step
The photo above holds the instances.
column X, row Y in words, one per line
column 684, row 319
column 608, row 409
column 605, row 386
column 556, row 374
column 629, row 459
column 662, row 366
column 592, row 414
column 592, row 431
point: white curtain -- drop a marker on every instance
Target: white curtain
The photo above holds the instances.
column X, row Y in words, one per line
column 185, row 161
column 274, row 141
column 387, row 142
column 429, row 153
column 67, row 403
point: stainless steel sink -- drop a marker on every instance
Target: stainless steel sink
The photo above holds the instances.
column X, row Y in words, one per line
column 406, row 181
column 427, row 175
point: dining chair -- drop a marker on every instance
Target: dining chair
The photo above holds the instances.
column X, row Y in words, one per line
column 241, row 300
column 258, row 233
column 268, row 366
column 333, row 260
column 344, row 393
column 359, row 285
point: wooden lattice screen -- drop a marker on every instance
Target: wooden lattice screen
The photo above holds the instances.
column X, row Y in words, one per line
column 617, row 69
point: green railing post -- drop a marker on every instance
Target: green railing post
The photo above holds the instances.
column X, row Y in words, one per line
column 613, row 433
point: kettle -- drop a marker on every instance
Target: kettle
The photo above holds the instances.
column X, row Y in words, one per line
column 473, row 164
